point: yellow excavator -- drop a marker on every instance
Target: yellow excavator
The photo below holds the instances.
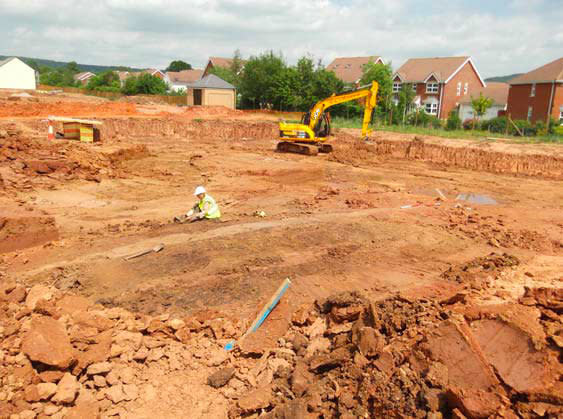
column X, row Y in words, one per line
column 310, row 135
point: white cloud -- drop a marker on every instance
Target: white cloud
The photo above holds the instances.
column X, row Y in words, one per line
column 502, row 39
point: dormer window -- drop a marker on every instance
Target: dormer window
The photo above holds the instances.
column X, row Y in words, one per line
column 431, row 87
column 396, row 86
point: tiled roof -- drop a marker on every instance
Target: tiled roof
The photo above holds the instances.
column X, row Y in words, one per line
column 350, row 69
column 221, row 62
column 84, row 75
column 417, row 70
column 495, row 90
column 549, row 72
column 184, row 76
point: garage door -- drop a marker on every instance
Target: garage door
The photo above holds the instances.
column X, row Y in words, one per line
column 220, row 99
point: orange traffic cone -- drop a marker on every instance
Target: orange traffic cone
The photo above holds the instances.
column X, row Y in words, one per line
column 51, row 131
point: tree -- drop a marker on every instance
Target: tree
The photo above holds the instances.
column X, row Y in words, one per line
column 382, row 74
column 106, row 81
column 406, row 96
column 33, row 64
column 237, row 64
column 178, row 65
column 73, row 67
column 454, row 121
column 56, row 77
column 144, row 84
column 226, row 74
column 233, row 73
column 258, row 80
column 480, row 106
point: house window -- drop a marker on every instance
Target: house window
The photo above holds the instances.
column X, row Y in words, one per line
column 561, row 117
column 431, row 87
column 396, row 87
column 414, row 87
column 533, row 90
column 459, row 88
column 530, row 110
column 431, row 108
column 465, row 88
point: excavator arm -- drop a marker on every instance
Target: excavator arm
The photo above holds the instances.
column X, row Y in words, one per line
column 309, row 132
column 371, row 98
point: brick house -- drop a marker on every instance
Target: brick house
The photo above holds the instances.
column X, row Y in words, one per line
column 124, row 75
column 179, row 80
column 538, row 94
column 439, row 83
column 218, row 62
column 351, row 69
column 155, row 72
column 83, row 77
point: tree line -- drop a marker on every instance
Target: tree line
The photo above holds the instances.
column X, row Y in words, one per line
column 267, row 81
column 107, row 81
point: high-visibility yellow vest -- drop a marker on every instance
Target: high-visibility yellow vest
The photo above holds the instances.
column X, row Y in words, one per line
column 213, row 211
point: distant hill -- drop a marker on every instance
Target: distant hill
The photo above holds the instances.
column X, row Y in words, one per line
column 503, row 79
column 83, row 67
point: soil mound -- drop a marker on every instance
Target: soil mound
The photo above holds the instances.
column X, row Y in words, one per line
column 72, row 109
column 28, row 161
column 348, row 357
column 61, row 355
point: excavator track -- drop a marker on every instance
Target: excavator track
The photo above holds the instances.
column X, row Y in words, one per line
column 288, row 147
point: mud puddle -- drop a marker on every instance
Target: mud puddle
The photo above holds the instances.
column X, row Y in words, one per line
column 478, row 199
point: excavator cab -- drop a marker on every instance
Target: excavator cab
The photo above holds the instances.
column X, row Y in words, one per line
column 309, row 136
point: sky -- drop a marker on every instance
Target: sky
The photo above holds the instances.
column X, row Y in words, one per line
column 503, row 37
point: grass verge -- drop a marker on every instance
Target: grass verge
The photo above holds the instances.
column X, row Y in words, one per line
column 338, row 122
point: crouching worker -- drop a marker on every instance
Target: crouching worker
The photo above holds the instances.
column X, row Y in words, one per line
column 205, row 209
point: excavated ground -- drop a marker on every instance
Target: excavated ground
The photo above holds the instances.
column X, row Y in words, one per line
column 456, row 304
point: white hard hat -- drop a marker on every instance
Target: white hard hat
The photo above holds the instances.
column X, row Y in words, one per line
column 199, row 189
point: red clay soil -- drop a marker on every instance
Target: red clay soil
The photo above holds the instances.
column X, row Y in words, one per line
column 29, row 161
column 405, row 302
column 70, row 109
column 405, row 358
column 20, row 232
column 544, row 161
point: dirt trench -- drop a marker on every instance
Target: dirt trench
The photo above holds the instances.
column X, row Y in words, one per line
column 474, row 156
column 176, row 127
column 542, row 161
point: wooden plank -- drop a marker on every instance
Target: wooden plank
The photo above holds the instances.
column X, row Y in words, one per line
column 155, row 249
column 80, row 121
